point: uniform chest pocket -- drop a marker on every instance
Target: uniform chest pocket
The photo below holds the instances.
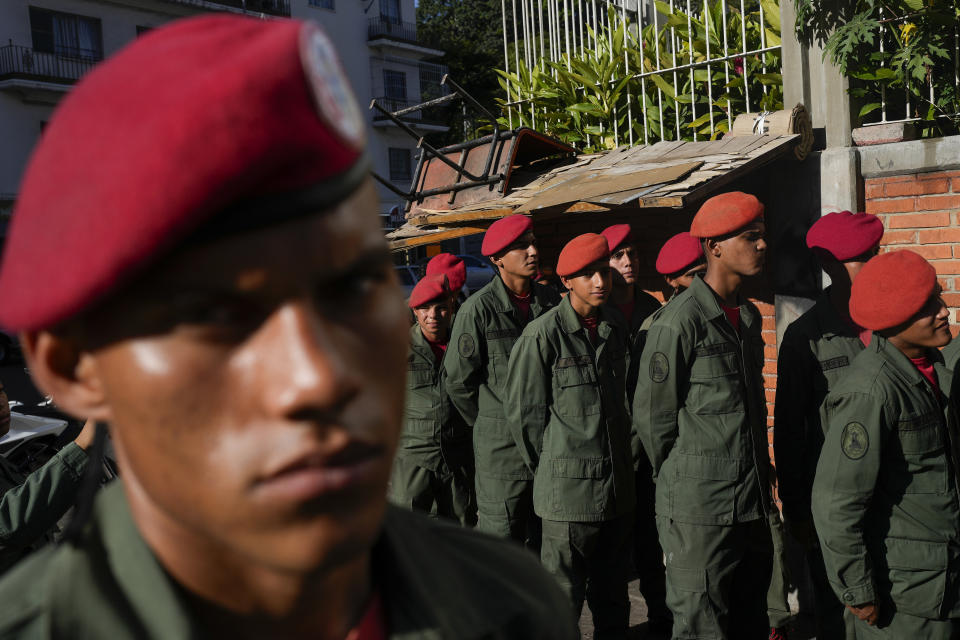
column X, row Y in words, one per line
column 420, row 376
column 924, row 454
column 575, row 380
column 715, row 383
column 715, row 361
column 499, row 344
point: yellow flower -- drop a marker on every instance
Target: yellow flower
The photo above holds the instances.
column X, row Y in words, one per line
column 906, row 31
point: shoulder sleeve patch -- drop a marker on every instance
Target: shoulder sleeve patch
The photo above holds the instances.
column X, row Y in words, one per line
column 659, row 367
column 854, row 441
column 467, row 346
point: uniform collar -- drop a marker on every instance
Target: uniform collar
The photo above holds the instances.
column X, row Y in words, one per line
column 831, row 324
column 570, row 319
column 506, row 304
column 420, row 345
column 902, row 367
column 709, row 302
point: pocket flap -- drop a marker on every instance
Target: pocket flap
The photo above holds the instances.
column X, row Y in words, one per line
column 586, row 468
column 706, row 468
column 915, row 555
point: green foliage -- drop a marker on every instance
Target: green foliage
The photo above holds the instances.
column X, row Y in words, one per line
column 916, row 66
column 592, row 102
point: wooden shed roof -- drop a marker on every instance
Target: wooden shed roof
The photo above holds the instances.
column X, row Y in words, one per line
column 663, row 175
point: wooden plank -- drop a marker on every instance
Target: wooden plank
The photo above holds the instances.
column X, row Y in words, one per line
column 735, row 144
column 460, row 217
column 784, row 145
column 432, row 237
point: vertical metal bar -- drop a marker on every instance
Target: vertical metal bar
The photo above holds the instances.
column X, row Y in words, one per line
column 581, row 19
column 656, row 43
column 883, row 87
column 726, row 63
column 763, row 45
column 706, row 12
column 566, row 31
column 744, row 49
column 594, row 45
column 693, row 77
column 540, row 28
column 676, row 82
column 626, row 71
column 516, row 46
column 506, row 60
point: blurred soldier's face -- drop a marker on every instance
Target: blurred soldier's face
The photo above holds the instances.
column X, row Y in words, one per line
column 625, row 262
column 590, row 287
column 254, row 387
column 521, row 258
column 745, row 252
column 929, row 328
column 434, row 319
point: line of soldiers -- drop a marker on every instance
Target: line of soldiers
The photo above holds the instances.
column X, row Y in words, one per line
column 605, row 417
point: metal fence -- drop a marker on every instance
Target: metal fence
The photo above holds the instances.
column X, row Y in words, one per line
column 888, row 102
column 23, row 62
column 683, row 68
column 381, row 27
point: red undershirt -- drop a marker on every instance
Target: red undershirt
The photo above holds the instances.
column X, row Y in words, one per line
column 438, row 348
column 925, row 367
column 733, row 315
column 373, row 625
column 627, row 310
column 522, row 303
column 591, row 324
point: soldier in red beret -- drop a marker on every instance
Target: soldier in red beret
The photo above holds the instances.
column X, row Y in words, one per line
column 680, row 260
column 701, row 413
column 484, row 331
column 815, row 354
column 637, row 307
column 196, row 260
column 885, row 497
column 433, row 470
column 455, row 270
column 566, row 406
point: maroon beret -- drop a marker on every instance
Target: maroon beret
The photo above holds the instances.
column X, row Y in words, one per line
column 678, row 254
column 249, row 120
column 845, row 235
column 616, row 235
column 725, row 213
column 581, row 252
column 890, row 289
column 428, row 289
column 451, row 266
column 504, row 232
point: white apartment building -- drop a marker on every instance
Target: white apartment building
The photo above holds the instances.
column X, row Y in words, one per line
column 47, row 45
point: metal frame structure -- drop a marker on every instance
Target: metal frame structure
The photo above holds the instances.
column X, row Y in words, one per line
column 555, row 30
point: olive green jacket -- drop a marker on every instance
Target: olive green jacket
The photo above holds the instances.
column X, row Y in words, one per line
column 885, row 499
column 701, row 413
column 815, row 354
column 567, row 408
column 433, row 431
column 644, row 306
column 951, row 354
column 31, row 505
column 484, row 331
column 437, row 581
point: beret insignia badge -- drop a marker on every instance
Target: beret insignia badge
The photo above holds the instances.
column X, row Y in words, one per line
column 854, row 441
column 329, row 85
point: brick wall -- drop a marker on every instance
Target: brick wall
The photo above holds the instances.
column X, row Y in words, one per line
column 921, row 212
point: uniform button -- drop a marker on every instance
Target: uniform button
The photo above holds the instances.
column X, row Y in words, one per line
column 848, row 597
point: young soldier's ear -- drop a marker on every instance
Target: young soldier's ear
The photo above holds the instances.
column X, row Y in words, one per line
column 711, row 247
column 65, row 372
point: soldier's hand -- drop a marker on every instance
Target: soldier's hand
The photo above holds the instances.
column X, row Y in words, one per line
column 85, row 438
column 868, row 612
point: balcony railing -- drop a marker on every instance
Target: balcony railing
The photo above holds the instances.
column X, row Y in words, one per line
column 381, row 27
column 428, row 115
column 271, row 7
column 26, row 63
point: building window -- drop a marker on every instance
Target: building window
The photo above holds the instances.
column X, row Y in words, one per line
column 394, row 84
column 399, row 164
column 390, row 11
column 66, row 34
column 324, row 4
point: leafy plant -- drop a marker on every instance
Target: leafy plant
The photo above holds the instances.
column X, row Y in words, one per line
column 627, row 85
column 913, row 71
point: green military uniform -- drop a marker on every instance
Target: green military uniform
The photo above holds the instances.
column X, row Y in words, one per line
column 484, row 331
column 951, row 354
column 31, row 505
column 566, row 405
column 701, row 413
column 433, row 470
column 647, row 554
column 815, row 354
column 885, row 498
column 437, row 582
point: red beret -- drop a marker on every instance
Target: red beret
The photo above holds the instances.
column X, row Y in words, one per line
column 581, row 252
column 504, row 232
column 249, row 120
column 845, row 235
column 678, row 254
column 451, row 266
column 616, row 235
column 890, row 289
column 428, row 289
column 725, row 213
